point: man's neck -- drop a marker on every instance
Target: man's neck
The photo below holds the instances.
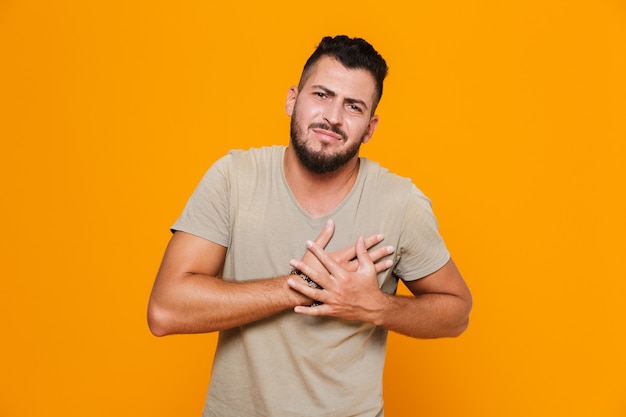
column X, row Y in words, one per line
column 319, row 194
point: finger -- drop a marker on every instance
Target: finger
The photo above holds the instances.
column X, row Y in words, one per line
column 321, row 279
column 320, row 310
column 378, row 254
column 373, row 240
column 380, row 266
column 325, row 259
column 326, row 233
column 303, row 288
column 383, row 265
column 361, row 250
column 362, row 255
column 348, row 253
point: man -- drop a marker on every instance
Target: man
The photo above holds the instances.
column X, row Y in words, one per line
column 305, row 335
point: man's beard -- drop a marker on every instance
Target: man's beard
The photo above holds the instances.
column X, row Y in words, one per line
column 320, row 162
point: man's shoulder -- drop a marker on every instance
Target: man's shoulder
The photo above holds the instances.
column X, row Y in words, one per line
column 255, row 163
column 258, row 154
column 382, row 176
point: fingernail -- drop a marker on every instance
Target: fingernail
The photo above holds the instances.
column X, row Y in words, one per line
column 309, row 244
column 390, row 249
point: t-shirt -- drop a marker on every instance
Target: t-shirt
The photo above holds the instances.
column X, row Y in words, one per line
column 289, row 364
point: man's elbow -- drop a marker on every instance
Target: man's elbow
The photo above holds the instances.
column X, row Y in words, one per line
column 159, row 320
column 464, row 322
column 460, row 329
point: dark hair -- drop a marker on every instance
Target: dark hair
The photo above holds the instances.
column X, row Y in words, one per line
column 353, row 53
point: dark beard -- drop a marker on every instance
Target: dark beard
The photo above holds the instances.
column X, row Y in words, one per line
column 320, row 162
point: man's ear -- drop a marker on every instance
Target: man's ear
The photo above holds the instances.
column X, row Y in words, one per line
column 292, row 95
column 370, row 128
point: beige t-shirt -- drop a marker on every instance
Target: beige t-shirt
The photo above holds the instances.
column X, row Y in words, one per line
column 288, row 364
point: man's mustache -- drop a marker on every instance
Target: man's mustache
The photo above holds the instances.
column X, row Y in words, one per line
column 329, row 128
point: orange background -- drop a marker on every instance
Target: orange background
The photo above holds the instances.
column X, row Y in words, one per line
column 509, row 115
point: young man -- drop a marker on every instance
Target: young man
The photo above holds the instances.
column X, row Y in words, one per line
column 305, row 335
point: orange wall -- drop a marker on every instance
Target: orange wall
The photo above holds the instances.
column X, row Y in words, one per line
column 510, row 115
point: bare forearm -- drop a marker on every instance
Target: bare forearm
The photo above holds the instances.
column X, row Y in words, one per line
column 425, row 316
column 200, row 304
column 188, row 298
column 439, row 308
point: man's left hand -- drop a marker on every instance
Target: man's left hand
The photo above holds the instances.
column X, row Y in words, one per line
column 350, row 295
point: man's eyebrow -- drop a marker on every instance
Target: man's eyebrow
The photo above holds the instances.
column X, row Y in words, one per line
column 331, row 93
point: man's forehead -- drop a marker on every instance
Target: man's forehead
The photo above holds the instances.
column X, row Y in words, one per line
column 332, row 75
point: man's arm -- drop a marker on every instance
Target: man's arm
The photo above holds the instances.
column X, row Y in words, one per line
column 439, row 307
column 188, row 296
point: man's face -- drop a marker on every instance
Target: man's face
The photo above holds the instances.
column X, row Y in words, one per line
column 331, row 115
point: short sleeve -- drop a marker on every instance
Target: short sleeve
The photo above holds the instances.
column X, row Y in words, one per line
column 422, row 249
column 207, row 212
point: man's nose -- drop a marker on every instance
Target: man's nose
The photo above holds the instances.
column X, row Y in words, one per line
column 333, row 113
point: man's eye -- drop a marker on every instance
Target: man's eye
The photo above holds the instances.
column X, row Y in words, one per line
column 320, row 94
column 354, row 107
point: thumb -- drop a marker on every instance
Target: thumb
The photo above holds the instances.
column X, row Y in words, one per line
column 361, row 252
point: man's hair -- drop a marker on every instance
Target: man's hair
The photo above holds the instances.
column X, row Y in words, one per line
column 353, row 53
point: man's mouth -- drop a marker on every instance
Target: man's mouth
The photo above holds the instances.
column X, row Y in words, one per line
column 331, row 132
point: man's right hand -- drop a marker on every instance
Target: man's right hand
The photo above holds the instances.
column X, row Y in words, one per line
column 346, row 257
